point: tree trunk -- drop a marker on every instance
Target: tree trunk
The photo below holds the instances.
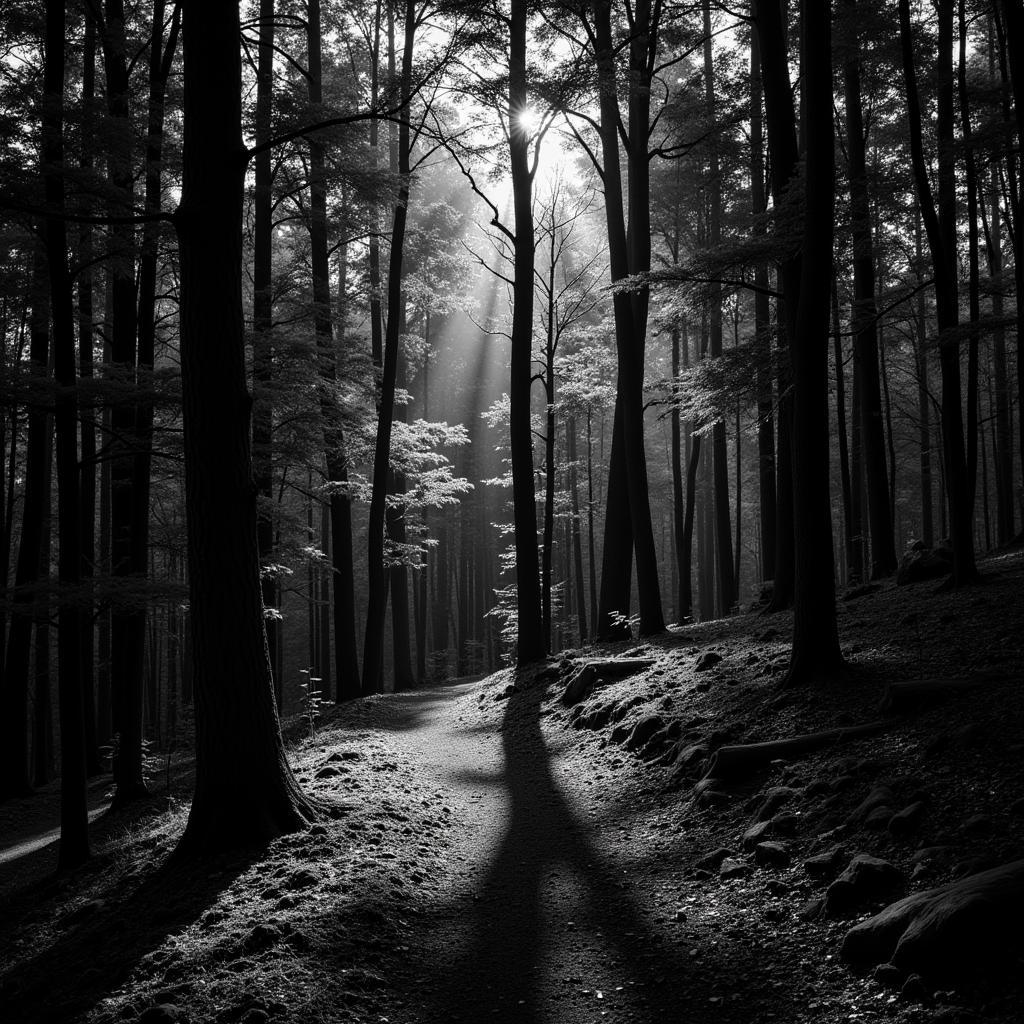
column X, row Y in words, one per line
column 529, row 629
column 128, row 616
column 780, row 121
column 262, row 354
column 815, row 635
column 629, row 253
column 14, row 776
column 844, row 454
column 245, row 791
column 96, row 730
column 762, row 326
column 373, row 652
column 720, row 459
column 940, row 228
column 864, row 315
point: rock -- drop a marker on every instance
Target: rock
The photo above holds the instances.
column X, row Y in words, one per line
column 713, row 861
column 907, row 821
column 878, row 797
column 889, row 975
column 709, row 659
column 771, row 855
column 811, row 910
column 775, row 798
column 756, row 834
column 776, row 887
column 784, row 824
column 865, row 879
column 162, row 1013
column 643, row 731
column 914, row 990
column 919, row 566
column 825, row 865
column 302, row 879
column 263, row 936
column 351, row 755
column 327, row 772
column 733, row 868
column 950, row 928
column 691, row 755
column 862, row 591
column 879, row 818
column 255, row 1016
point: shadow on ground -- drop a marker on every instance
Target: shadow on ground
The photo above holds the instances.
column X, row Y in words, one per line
column 99, row 945
column 507, row 971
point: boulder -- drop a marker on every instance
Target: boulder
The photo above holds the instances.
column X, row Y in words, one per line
column 733, row 868
column 775, row 798
column 709, row 659
column 950, row 928
column 771, row 855
column 904, row 823
column 825, row 865
column 865, row 880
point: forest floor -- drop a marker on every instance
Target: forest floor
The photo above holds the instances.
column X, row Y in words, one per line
column 497, row 856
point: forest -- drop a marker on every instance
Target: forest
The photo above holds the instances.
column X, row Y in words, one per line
column 582, row 436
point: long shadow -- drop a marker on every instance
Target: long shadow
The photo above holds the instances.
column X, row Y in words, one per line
column 99, row 947
column 499, row 976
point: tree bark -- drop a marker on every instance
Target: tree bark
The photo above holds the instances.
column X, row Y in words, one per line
column 815, row 635
column 940, row 229
column 245, row 791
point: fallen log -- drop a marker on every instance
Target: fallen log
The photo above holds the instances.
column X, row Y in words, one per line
column 740, row 761
column 907, row 693
column 611, row 668
column 948, row 928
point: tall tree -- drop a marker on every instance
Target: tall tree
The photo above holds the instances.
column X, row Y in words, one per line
column 815, row 636
column 245, row 790
column 74, row 815
column 864, row 312
column 940, row 229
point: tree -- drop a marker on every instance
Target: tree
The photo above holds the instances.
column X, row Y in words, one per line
column 815, row 636
column 245, row 790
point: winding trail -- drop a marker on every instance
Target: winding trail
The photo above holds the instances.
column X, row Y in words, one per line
column 551, row 911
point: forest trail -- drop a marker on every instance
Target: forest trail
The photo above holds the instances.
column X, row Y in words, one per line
column 549, row 911
column 24, row 847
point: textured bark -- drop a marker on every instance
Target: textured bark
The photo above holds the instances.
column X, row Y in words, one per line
column 245, row 791
column 844, row 454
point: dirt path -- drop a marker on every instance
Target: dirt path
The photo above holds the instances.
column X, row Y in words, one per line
column 552, row 911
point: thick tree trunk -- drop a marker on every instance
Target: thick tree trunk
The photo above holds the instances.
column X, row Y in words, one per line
column 245, row 791
column 815, row 635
